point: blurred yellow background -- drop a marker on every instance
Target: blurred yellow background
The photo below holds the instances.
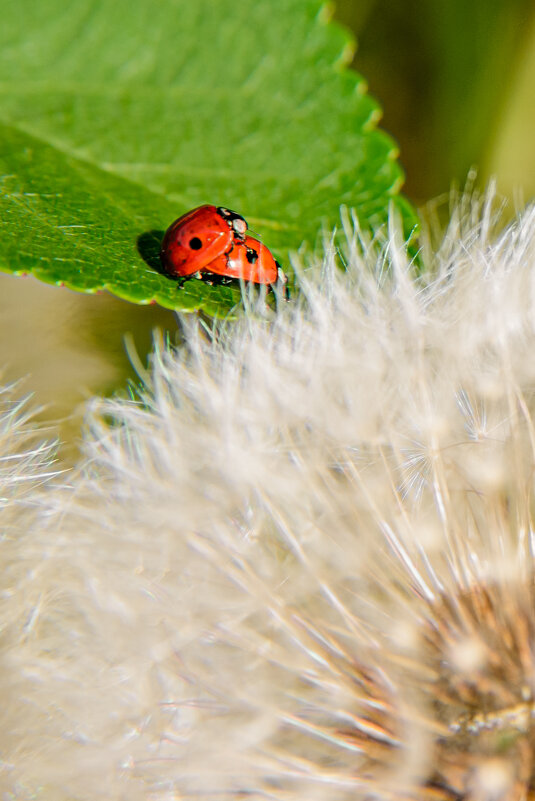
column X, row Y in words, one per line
column 64, row 347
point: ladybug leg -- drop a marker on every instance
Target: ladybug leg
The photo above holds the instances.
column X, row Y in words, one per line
column 181, row 279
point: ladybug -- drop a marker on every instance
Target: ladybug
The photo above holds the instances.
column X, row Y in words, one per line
column 250, row 260
column 199, row 237
column 212, row 240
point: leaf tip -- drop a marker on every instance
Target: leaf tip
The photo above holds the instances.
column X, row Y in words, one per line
column 373, row 119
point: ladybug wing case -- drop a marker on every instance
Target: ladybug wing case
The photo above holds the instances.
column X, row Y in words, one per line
column 249, row 260
column 195, row 240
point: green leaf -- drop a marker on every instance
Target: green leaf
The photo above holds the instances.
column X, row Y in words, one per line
column 121, row 116
column 72, row 224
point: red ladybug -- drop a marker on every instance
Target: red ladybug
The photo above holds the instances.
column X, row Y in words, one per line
column 199, row 237
column 211, row 240
column 249, row 260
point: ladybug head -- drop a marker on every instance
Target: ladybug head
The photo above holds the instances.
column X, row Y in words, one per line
column 236, row 221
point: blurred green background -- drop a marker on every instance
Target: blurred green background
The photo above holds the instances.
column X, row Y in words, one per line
column 456, row 81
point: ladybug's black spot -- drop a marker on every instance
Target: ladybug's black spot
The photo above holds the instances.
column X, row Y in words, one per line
column 251, row 256
column 195, row 243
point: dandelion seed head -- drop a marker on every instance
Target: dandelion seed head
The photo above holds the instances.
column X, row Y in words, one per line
column 300, row 565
